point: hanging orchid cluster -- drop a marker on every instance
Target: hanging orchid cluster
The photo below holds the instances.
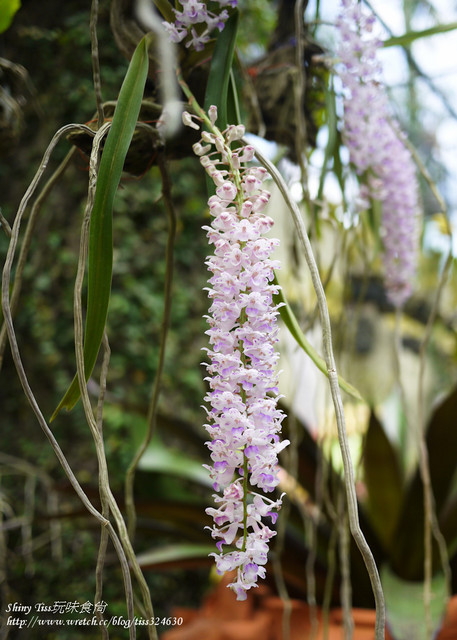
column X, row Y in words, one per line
column 196, row 20
column 243, row 420
column 376, row 148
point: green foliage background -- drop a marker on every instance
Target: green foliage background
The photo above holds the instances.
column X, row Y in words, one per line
column 52, row 42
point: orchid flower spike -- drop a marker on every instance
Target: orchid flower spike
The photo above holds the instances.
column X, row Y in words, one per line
column 194, row 13
column 243, row 420
column 377, row 150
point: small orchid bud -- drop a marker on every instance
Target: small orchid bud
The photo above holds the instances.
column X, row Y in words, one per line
column 208, row 137
column 188, row 121
column 212, row 114
column 199, row 149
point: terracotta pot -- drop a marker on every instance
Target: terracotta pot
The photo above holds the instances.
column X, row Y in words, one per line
column 449, row 628
column 221, row 617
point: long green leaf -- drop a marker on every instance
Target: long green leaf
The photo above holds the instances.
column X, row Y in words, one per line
column 175, row 554
column 219, row 77
column 100, row 262
column 448, row 527
column 165, row 9
column 408, row 551
column 162, row 459
column 331, row 147
column 291, row 322
column 221, row 65
column 383, row 480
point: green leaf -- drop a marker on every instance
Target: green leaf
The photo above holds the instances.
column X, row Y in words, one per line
column 407, row 38
column 331, row 147
column 163, row 459
column 165, row 9
column 100, row 262
column 448, row 525
column 383, row 480
column 442, row 448
column 219, row 77
column 8, row 9
column 291, row 322
column 233, row 103
column 405, row 605
column 221, row 65
column 177, row 554
column 408, row 551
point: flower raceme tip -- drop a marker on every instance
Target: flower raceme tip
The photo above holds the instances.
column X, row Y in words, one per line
column 196, row 13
